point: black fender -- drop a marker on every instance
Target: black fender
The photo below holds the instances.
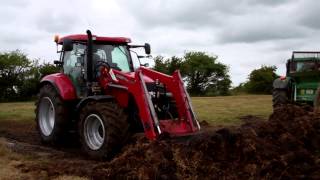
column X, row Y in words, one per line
column 99, row 98
column 281, row 84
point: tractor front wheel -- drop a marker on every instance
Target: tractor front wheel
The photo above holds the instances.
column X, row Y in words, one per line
column 51, row 115
column 279, row 97
column 103, row 129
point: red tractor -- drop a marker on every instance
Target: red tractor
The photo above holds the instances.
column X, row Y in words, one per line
column 99, row 95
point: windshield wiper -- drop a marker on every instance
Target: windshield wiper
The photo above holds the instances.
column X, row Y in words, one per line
column 122, row 51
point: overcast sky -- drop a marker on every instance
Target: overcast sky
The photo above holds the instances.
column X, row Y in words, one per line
column 245, row 34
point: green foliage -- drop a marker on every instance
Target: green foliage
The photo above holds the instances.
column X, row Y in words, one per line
column 29, row 87
column 241, row 89
column 203, row 74
column 260, row 80
column 13, row 66
column 47, row 68
column 19, row 76
column 160, row 65
column 167, row 66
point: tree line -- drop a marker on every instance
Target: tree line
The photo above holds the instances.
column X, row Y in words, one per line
column 259, row 81
column 19, row 76
column 203, row 74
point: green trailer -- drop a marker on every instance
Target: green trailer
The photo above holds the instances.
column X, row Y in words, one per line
column 301, row 83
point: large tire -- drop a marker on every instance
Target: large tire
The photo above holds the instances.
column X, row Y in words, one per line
column 316, row 102
column 103, row 129
column 52, row 115
column 279, row 97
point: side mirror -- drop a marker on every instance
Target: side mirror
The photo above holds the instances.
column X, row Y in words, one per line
column 145, row 65
column 67, row 45
column 58, row 63
column 147, row 48
column 78, row 64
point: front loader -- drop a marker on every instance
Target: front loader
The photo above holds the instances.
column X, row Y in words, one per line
column 102, row 96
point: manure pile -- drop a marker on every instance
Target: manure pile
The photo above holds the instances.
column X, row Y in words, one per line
column 285, row 146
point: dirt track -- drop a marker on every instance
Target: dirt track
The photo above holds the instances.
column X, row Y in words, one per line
column 285, row 146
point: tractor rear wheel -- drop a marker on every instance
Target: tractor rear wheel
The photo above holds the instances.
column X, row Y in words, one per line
column 52, row 115
column 316, row 102
column 279, row 97
column 103, row 129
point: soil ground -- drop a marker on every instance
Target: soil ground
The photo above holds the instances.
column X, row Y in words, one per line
column 287, row 146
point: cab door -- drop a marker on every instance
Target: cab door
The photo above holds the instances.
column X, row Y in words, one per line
column 73, row 66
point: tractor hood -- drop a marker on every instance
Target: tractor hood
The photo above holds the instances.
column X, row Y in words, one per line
column 145, row 78
column 129, row 76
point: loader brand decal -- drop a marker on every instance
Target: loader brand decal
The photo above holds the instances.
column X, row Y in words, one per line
column 124, row 78
column 306, row 91
column 112, row 75
column 121, row 77
column 309, row 91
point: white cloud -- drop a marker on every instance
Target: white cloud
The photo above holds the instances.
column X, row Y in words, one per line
column 244, row 33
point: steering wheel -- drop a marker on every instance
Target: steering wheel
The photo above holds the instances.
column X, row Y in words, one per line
column 102, row 64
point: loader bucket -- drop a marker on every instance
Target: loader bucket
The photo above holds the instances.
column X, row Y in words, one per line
column 185, row 124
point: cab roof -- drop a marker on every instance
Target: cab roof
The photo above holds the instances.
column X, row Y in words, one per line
column 305, row 55
column 100, row 39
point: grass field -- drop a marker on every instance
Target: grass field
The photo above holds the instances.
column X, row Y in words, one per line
column 215, row 110
column 18, row 111
column 224, row 110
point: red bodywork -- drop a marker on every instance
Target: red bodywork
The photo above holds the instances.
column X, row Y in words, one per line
column 134, row 84
column 84, row 38
column 123, row 85
column 63, row 84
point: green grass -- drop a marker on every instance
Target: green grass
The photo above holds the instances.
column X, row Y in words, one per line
column 18, row 111
column 227, row 110
column 224, row 110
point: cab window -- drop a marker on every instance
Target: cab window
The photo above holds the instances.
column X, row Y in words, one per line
column 119, row 56
column 306, row 66
column 72, row 58
column 72, row 64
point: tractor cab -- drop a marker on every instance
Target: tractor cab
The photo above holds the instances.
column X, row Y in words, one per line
column 302, row 62
column 302, row 79
column 304, row 73
column 113, row 51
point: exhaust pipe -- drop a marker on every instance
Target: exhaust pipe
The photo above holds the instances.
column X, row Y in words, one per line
column 89, row 57
column 89, row 63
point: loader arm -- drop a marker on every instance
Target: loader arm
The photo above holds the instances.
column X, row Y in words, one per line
column 186, row 123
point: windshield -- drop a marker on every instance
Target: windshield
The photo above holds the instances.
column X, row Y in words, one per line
column 303, row 66
column 116, row 55
column 306, row 66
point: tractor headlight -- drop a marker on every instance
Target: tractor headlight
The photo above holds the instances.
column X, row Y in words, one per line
column 309, row 91
column 306, row 91
column 56, row 38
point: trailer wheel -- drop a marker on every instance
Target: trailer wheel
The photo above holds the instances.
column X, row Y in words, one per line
column 103, row 129
column 279, row 97
column 52, row 115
